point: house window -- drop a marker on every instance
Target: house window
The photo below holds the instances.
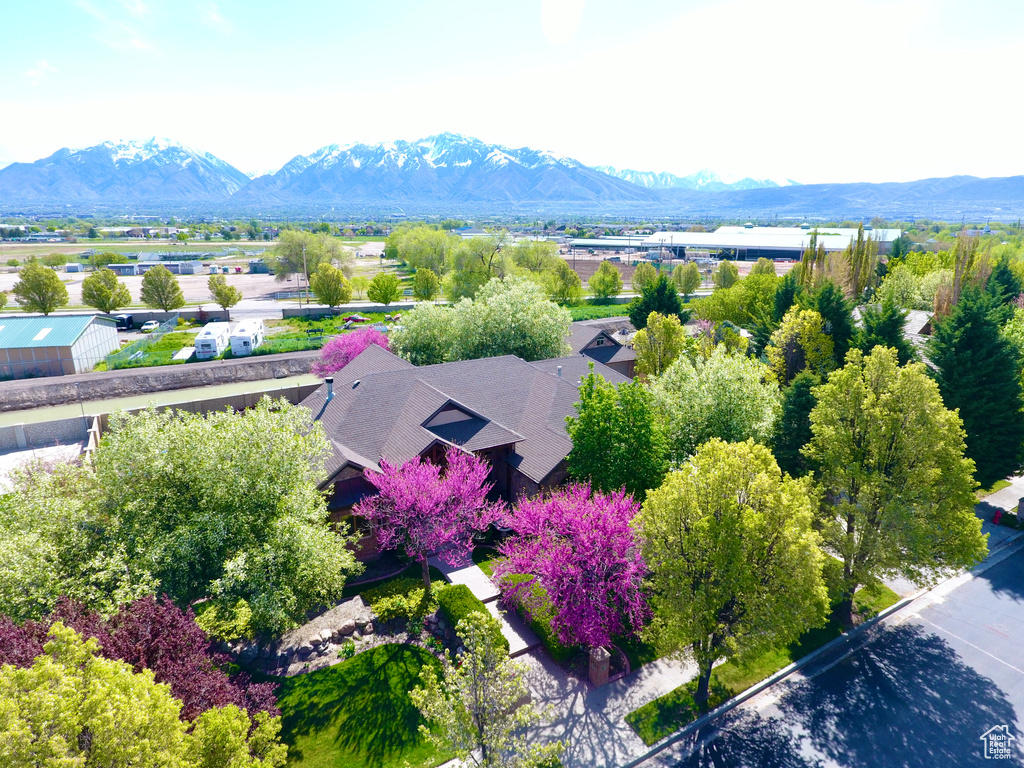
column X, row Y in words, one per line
column 599, row 342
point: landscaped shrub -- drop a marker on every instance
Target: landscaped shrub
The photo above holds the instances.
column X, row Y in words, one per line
column 457, row 602
column 401, row 598
column 223, row 620
column 537, row 611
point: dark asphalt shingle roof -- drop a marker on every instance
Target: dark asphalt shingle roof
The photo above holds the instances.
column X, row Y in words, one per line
column 381, row 403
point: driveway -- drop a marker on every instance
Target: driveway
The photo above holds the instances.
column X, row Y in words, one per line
column 920, row 689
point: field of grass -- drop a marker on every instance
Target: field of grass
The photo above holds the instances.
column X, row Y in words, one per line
column 160, row 352
column 657, row 719
column 357, row 714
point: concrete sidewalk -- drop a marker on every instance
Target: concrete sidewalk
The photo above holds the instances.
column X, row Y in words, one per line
column 521, row 639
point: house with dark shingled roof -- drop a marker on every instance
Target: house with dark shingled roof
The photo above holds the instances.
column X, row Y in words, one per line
column 607, row 341
column 503, row 409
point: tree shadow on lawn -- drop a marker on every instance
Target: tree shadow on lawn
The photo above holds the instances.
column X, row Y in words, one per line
column 903, row 698
column 362, row 704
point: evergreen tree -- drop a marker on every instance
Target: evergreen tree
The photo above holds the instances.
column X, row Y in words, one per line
column 661, row 297
column 794, row 430
column 786, row 296
column 976, row 370
column 883, row 324
column 834, row 309
column 1003, row 283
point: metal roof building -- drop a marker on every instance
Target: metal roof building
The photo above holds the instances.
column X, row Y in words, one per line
column 54, row 345
column 771, row 242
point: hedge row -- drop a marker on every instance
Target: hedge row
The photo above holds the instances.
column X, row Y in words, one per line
column 456, row 602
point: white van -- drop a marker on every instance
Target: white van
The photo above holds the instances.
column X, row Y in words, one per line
column 212, row 340
column 247, row 335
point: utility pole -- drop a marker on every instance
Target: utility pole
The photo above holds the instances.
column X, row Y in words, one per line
column 306, row 274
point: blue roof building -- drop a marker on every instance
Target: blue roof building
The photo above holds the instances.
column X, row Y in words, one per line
column 55, row 345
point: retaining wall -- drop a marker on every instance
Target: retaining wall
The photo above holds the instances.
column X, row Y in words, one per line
column 81, row 429
column 126, row 382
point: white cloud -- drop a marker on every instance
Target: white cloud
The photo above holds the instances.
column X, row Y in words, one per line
column 211, row 16
column 39, row 72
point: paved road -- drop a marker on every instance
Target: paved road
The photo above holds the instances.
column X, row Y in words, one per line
column 917, row 690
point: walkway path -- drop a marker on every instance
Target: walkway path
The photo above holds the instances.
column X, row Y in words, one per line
column 521, row 639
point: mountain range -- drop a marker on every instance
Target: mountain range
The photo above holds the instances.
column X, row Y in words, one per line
column 450, row 173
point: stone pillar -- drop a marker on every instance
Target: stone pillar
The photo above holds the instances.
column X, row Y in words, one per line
column 600, row 663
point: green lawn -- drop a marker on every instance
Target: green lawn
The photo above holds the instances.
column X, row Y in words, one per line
column 596, row 311
column 357, row 714
column 657, row 719
column 998, row 486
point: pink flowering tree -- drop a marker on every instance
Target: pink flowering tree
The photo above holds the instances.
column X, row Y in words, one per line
column 581, row 549
column 342, row 350
column 424, row 510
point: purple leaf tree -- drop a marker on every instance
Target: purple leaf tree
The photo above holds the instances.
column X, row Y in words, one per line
column 424, row 510
column 148, row 634
column 342, row 350
column 581, row 549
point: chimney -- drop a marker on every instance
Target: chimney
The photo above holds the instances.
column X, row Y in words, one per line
column 330, row 387
column 559, row 371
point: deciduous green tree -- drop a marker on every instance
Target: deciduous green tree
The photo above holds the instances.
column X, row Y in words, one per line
column 106, row 258
column 735, row 564
column 799, row 344
column 564, row 285
column 474, row 710
column 160, row 289
column 725, row 275
column 426, row 286
column 687, row 278
column 359, row 284
column 763, row 266
column 384, row 288
column 104, row 291
column 889, row 456
column 509, row 317
column 730, row 397
column 427, row 248
column 616, row 439
column 660, row 343
column 226, row 296
column 606, row 281
column 977, row 372
column 330, row 286
column 299, row 253
column 73, row 707
column 39, row 289
column 644, row 276
column 226, row 506
column 475, row 263
column 425, row 336
column 535, row 255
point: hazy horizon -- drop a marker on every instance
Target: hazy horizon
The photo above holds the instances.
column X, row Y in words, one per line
column 862, row 90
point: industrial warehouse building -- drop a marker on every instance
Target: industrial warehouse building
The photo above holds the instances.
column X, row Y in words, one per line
column 55, row 345
column 743, row 243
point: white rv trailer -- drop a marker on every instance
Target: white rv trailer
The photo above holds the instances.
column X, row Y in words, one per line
column 247, row 335
column 212, row 340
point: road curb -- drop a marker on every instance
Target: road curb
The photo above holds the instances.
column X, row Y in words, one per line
column 788, row 670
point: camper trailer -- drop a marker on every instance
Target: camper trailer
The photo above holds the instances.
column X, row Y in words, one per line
column 212, row 340
column 247, row 336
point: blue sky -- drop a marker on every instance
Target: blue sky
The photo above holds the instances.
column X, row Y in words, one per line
column 841, row 90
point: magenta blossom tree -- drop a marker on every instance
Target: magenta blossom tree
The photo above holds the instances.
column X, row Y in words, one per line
column 342, row 350
column 152, row 634
column 424, row 510
column 581, row 549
